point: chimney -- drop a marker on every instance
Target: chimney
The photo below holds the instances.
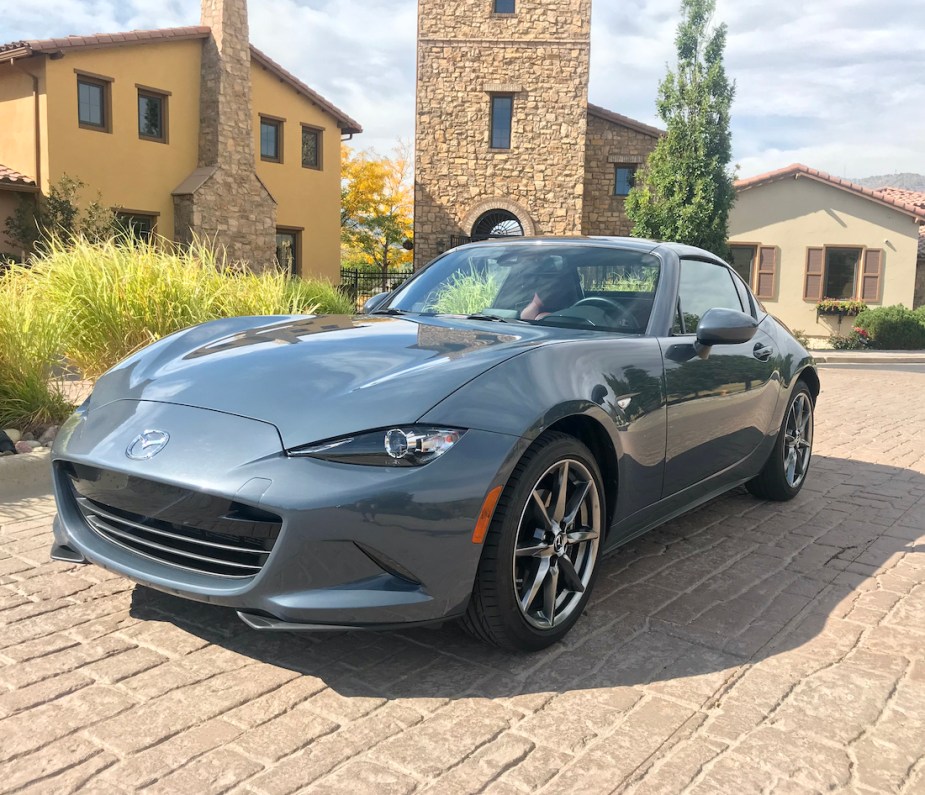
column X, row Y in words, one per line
column 226, row 124
column 223, row 200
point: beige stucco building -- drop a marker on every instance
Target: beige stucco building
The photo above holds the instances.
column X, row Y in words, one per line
column 182, row 131
column 506, row 140
column 799, row 235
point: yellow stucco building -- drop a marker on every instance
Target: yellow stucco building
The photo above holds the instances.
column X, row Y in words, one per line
column 799, row 235
column 151, row 119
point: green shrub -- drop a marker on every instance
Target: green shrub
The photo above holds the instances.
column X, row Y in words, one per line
column 893, row 328
column 90, row 304
column 30, row 344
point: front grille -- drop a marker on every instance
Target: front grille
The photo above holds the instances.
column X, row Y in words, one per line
column 185, row 529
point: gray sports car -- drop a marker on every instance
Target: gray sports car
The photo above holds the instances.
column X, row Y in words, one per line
column 467, row 448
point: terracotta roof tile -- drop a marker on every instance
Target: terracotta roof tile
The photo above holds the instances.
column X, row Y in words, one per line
column 624, row 121
column 913, row 197
column 10, row 177
column 797, row 170
column 30, row 47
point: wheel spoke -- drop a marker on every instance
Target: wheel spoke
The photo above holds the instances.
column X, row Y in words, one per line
column 541, row 506
column 549, row 594
column 574, row 504
column 561, row 493
column 570, row 578
column 537, row 549
column 582, row 534
column 791, row 464
column 542, row 570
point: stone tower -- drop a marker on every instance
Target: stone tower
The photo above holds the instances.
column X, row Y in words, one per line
column 223, row 199
column 502, row 103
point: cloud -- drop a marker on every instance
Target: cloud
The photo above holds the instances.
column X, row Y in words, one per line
column 834, row 84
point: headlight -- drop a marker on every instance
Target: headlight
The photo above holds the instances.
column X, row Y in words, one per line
column 408, row 446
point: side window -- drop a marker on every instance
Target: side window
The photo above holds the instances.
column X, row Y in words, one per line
column 705, row 285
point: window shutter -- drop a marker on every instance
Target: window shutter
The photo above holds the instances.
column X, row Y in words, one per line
column 766, row 273
column 871, row 275
column 815, row 273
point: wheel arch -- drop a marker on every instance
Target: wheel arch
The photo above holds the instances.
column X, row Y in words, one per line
column 593, row 435
column 810, row 377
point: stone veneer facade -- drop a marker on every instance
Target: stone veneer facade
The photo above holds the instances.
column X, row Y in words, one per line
column 223, row 199
column 558, row 176
column 466, row 53
column 612, row 141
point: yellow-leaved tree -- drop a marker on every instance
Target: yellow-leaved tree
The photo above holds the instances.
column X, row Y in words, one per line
column 376, row 209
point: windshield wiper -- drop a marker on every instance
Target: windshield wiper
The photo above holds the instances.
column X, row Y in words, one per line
column 481, row 316
column 390, row 311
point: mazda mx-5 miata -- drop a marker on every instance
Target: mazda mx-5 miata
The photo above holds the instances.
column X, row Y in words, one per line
column 467, row 448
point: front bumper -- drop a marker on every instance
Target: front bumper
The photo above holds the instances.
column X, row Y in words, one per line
column 359, row 546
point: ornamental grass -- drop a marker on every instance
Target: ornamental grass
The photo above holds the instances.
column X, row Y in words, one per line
column 80, row 307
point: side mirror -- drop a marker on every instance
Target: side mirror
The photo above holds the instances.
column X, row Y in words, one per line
column 375, row 302
column 725, row 327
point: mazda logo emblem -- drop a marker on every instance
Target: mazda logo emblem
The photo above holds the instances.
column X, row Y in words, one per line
column 147, row 445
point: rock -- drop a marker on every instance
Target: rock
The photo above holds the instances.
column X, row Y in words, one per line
column 28, row 437
column 7, row 445
column 27, row 446
column 13, row 435
column 49, row 436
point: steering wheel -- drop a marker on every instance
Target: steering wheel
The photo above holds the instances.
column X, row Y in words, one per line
column 609, row 307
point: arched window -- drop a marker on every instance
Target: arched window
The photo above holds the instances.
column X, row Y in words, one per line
column 497, row 223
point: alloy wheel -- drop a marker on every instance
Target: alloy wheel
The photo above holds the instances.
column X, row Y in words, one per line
column 557, row 540
column 798, row 440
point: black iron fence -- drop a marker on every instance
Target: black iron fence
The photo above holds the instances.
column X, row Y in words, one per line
column 361, row 285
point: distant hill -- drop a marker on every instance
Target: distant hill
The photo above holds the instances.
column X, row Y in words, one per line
column 904, row 181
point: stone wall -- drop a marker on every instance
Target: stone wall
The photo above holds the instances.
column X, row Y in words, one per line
column 610, row 144
column 225, row 201
column 465, row 54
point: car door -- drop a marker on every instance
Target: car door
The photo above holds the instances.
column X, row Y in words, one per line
column 720, row 400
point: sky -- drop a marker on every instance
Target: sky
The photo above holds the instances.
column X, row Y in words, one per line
column 836, row 84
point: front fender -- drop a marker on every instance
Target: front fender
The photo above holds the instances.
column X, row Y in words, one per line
column 618, row 382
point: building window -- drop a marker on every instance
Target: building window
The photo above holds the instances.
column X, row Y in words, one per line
column 624, row 179
column 841, row 272
column 93, row 103
column 138, row 225
column 502, row 116
column 152, row 115
column 311, row 147
column 288, row 249
column 271, row 139
column 505, row 6
column 743, row 261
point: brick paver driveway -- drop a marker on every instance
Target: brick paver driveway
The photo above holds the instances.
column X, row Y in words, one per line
column 744, row 647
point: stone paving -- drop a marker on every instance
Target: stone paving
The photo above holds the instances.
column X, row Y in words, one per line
column 746, row 647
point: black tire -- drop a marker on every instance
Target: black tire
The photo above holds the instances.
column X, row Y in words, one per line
column 494, row 614
column 775, row 481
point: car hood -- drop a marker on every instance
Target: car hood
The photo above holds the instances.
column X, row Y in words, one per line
column 320, row 377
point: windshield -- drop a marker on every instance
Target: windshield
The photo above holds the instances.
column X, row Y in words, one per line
column 568, row 285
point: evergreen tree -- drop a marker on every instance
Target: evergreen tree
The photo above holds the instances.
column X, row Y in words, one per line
column 685, row 191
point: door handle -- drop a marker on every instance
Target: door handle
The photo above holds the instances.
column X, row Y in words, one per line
column 763, row 352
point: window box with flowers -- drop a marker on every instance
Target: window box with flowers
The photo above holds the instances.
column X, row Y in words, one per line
column 834, row 306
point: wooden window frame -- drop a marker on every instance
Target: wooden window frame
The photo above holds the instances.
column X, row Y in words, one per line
column 319, row 131
column 104, row 83
column 155, row 93
column 491, row 121
column 279, row 123
column 858, row 275
column 296, row 232
column 634, row 167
